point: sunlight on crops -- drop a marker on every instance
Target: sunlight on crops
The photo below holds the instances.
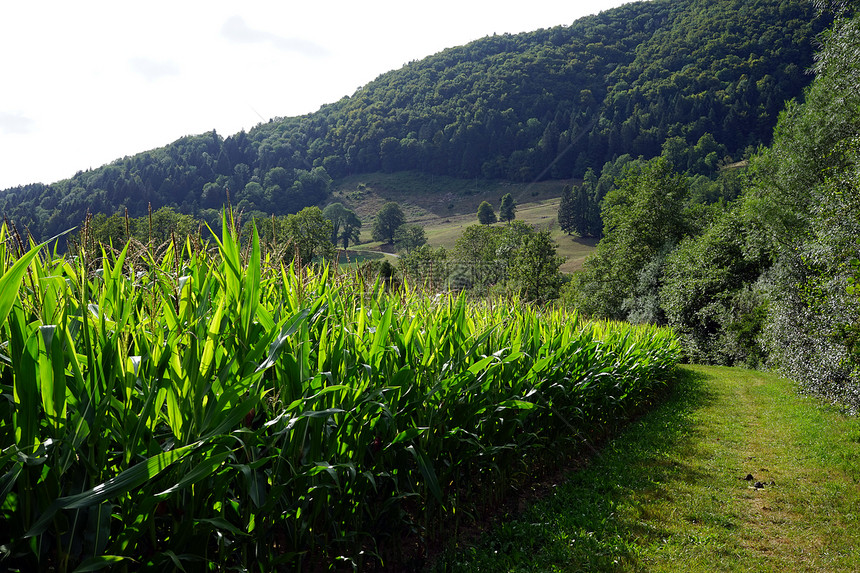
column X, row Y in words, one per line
column 219, row 407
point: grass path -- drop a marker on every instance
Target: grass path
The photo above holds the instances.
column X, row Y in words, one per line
column 669, row 494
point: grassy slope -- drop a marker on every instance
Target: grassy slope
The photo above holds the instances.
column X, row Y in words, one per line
column 445, row 206
column 668, row 495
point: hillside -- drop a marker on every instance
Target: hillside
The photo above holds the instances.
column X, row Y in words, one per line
column 766, row 275
column 549, row 104
column 445, row 206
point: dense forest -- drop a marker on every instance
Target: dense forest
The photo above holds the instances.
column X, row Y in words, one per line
column 769, row 279
column 554, row 103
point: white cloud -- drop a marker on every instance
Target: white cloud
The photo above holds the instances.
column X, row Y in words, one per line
column 237, row 30
column 15, row 124
column 153, row 70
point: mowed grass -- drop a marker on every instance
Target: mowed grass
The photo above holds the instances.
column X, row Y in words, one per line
column 445, row 206
column 670, row 494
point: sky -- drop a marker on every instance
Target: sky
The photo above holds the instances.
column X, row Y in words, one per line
column 85, row 83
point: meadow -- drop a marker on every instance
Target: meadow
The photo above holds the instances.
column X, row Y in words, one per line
column 207, row 407
column 445, row 206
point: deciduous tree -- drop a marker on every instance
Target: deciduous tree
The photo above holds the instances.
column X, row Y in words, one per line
column 310, row 233
column 534, row 271
column 409, row 237
column 387, row 221
column 486, row 214
column 346, row 226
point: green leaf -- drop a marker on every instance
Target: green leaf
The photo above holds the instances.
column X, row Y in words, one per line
column 10, row 282
column 290, row 327
column 516, row 404
column 205, row 468
column 126, row 482
column 100, row 562
column 219, row 523
column 426, row 469
column 408, row 434
column 7, row 482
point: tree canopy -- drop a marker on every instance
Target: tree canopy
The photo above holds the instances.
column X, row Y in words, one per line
column 389, row 218
column 766, row 274
column 346, row 226
column 409, row 237
column 486, row 214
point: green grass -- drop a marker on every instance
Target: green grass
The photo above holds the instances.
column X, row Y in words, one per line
column 445, row 206
column 355, row 257
column 669, row 495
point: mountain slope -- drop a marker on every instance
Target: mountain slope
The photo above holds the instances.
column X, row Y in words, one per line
column 545, row 104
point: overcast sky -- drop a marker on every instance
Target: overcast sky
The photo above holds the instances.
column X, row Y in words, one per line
column 84, row 83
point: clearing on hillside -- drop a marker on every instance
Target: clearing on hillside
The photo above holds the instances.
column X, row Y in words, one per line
column 445, row 206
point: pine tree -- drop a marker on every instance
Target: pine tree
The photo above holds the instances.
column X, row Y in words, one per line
column 566, row 210
column 508, row 209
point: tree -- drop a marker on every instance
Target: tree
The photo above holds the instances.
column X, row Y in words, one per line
column 483, row 254
column 388, row 220
column 586, row 207
column 643, row 217
column 351, row 229
column 709, row 297
column 534, row 270
column 425, row 266
column 165, row 224
column 310, row 233
column 475, row 263
column 478, row 243
column 508, row 209
column 346, row 226
column 311, row 186
column 409, row 237
column 335, row 213
column 486, row 214
column 566, row 215
column 805, row 207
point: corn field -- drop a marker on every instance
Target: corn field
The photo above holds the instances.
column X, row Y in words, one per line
column 217, row 409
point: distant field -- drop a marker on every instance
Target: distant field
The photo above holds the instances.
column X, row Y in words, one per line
column 445, row 206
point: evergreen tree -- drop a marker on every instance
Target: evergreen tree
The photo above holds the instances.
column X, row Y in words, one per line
column 566, row 211
column 508, row 209
column 590, row 223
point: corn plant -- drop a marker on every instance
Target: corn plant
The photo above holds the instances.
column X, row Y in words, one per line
column 220, row 409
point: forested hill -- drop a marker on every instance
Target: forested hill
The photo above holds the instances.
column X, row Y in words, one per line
column 545, row 104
